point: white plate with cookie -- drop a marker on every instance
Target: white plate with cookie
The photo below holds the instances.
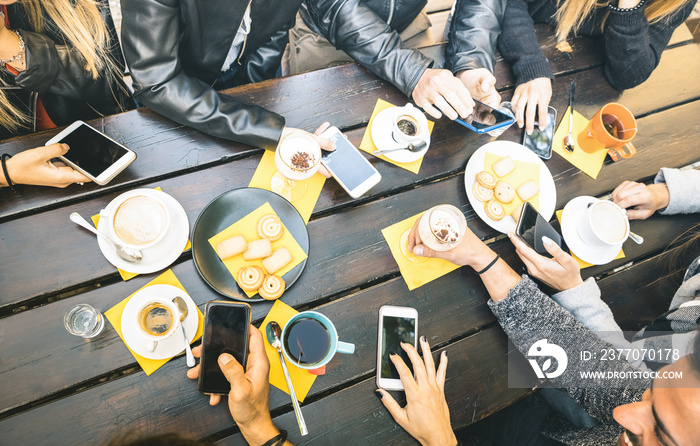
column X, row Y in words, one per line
column 547, row 190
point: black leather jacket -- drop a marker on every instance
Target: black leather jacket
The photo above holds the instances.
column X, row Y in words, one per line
column 473, row 34
column 57, row 72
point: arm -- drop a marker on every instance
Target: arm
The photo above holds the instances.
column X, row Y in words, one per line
column 150, row 36
column 473, row 35
column 34, row 167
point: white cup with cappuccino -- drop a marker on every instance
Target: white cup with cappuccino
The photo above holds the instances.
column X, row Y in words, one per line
column 604, row 222
column 137, row 219
column 157, row 320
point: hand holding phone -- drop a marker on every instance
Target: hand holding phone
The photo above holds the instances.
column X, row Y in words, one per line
column 485, row 119
column 347, row 165
column 532, row 227
column 396, row 325
column 34, row 166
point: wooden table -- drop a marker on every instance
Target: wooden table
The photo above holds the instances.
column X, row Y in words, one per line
column 56, row 388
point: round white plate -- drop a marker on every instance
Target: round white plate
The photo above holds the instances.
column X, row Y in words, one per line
column 169, row 347
column 381, row 137
column 548, row 192
column 162, row 254
column 595, row 254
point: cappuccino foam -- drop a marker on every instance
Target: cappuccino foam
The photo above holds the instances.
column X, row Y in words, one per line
column 608, row 223
column 139, row 220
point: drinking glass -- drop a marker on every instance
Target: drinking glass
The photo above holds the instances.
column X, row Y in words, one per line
column 442, row 227
column 83, row 320
column 298, row 157
column 510, row 110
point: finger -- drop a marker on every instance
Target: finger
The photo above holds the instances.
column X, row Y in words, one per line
column 257, row 364
column 542, row 110
column 418, row 366
column 432, row 111
column 193, row 373
column 324, row 172
column 423, row 251
column 52, row 151
column 530, row 115
column 322, row 128
column 427, row 359
column 458, row 103
column 214, row 400
column 409, row 384
column 444, row 107
column 197, row 351
column 462, row 92
column 68, row 175
column 396, row 411
column 555, row 250
column 531, row 267
column 623, row 186
column 487, row 83
column 520, row 106
column 442, row 371
column 325, row 143
column 231, row 369
column 414, row 236
column 638, row 214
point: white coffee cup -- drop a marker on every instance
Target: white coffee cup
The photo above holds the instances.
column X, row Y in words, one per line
column 157, row 319
column 408, row 124
column 604, row 222
column 137, row 219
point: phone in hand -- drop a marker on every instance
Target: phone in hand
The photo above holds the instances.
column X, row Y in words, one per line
column 347, row 165
column 225, row 331
column 532, row 227
column 484, row 119
column 396, row 324
column 92, row 153
column 540, row 141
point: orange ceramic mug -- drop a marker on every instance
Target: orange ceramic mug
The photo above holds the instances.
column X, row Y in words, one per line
column 614, row 126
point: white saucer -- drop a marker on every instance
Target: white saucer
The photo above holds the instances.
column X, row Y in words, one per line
column 160, row 255
column 595, row 254
column 381, row 137
column 169, row 347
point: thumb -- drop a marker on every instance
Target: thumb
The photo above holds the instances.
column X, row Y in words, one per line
column 325, row 143
column 232, row 370
column 424, row 251
column 52, row 151
column 487, row 82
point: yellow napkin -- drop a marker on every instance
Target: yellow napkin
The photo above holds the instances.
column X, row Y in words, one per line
column 114, row 316
column 302, row 380
column 415, row 273
column 581, row 263
column 247, row 227
column 125, row 274
column 523, row 172
column 368, row 145
column 589, row 163
column 305, row 205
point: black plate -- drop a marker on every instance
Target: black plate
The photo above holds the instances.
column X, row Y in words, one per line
column 225, row 210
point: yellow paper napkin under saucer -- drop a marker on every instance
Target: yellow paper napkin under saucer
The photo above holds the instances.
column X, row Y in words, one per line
column 247, row 227
column 305, row 205
column 302, row 380
column 114, row 316
column 368, row 145
column 523, row 172
column 420, row 270
column 580, row 262
column 589, row 163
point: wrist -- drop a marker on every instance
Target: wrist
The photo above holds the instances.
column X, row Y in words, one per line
column 446, row 439
column 660, row 194
column 260, row 433
column 482, row 257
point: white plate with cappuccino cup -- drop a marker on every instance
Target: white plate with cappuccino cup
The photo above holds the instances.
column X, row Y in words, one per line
column 397, row 127
column 151, row 322
column 594, row 229
column 145, row 219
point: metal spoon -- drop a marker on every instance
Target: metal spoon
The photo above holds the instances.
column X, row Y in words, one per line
column 130, row 255
column 182, row 307
column 417, row 147
column 273, row 332
column 569, row 143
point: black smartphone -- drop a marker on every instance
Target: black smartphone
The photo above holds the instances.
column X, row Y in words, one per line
column 225, row 331
column 484, row 119
column 532, row 227
column 540, row 141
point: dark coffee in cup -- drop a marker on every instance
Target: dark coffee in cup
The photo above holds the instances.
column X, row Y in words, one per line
column 156, row 319
column 613, row 126
column 407, row 125
column 307, row 341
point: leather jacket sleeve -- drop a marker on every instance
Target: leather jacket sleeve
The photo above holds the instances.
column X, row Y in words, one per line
column 150, row 36
column 356, row 29
column 264, row 62
column 473, row 34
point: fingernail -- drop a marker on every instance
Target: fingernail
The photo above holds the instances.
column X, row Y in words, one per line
column 510, row 234
column 418, row 250
column 379, row 394
column 403, row 343
column 225, row 358
column 444, row 353
column 422, row 339
column 392, row 353
column 547, row 241
column 529, row 132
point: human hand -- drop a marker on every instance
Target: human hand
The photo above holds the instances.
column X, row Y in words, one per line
column 34, row 166
column 248, row 399
column 561, row 273
column 326, row 144
column 640, row 200
column 529, row 98
column 439, row 88
column 426, row 416
column 481, row 85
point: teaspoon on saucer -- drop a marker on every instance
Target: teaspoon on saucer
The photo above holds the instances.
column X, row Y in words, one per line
column 417, row 147
column 569, row 143
column 182, row 308
column 130, row 255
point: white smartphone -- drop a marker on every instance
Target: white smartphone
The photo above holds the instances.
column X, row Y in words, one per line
column 347, row 165
column 396, row 324
column 93, row 153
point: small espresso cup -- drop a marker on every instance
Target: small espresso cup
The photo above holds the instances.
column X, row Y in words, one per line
column 136, row 219
column 312, row 334
column 604, row 222
column 408, row 124
column 157, row 320
column 614, row 126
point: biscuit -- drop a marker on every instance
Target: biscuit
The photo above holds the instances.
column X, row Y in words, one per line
column 270, row 227
column 486, row 179
column 482, row 193
column 272, row 288
column 504, row 192
column 230, row 247
column 494, row 210
column 517, row 211
column 250, row 278
column 528, row 190
column 503, row 167
column 278, row 260
column 258, row 249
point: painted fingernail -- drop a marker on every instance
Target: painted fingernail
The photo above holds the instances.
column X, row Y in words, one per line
column 392, row 353
column 444, row 353
column 547, row 241
column 379, row 394
column 422, row 339
column 529, row 132
column 418, row 250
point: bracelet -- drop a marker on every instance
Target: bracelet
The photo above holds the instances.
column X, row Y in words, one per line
column 277, row 440
column 616, row 9
column 17, row 56
column 493, row 262
column 3, row 159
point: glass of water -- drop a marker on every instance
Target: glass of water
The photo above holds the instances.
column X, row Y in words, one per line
column 83, row 320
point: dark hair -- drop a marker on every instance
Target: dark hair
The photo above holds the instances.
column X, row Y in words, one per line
column 170, row 439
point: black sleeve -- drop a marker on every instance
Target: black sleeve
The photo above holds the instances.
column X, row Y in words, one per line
column 473, row 34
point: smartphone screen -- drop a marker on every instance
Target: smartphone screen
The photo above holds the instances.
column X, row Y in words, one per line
column 485, row 118
column 91, row 150
column 346, row 163
column 540, row 141
column 394, row 330
column 532, row 227
column 225, row 331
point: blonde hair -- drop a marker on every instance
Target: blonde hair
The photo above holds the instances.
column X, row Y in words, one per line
column 571, row 14
column 84, row 30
